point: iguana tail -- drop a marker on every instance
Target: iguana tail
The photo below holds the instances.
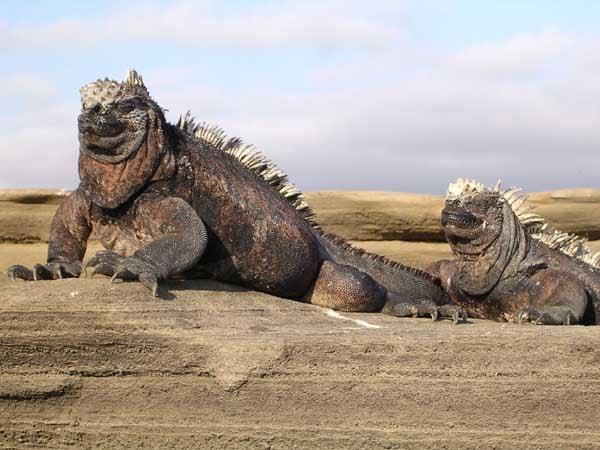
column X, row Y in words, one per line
column 407, row 283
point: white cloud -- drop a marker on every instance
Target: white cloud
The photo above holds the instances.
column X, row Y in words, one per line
column 25, row 86
column 285, row 24
column 419, row 130
column 414, row 136
column 42, row 150
column 397, row 119
column 521, row 54
column 38, row 143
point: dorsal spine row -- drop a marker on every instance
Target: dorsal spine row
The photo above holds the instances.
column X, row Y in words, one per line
column 253, row 160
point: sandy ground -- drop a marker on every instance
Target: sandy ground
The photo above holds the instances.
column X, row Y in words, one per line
column 87, row 364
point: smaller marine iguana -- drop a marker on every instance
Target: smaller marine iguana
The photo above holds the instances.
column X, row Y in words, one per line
column 510, row 264
column 164, row 199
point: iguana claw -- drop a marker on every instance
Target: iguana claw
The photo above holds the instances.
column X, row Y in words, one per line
column 424, row 308
column 434, row 315
column 554, row 315
column 21, row 272
column 455, row 312
column 103, row 269
column 121, row 268
column 50, row 271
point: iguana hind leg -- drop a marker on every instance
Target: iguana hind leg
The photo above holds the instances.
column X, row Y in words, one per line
column 345, row 288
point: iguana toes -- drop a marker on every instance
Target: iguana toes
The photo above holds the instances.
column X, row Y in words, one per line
column 163, row 199
column 511, row 265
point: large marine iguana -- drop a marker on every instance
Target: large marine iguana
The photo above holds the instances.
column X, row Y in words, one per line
column 163, row 199
column 510, row 264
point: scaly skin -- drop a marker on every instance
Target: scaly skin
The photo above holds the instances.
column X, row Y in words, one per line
column 163, row 201
column 503, row 272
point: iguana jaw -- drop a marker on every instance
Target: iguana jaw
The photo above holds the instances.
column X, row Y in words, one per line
column 459, row 218
column 109, row 140
column 467, row 233
column 111, row 183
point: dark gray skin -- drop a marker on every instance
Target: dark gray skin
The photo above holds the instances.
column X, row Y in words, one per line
column 162, row 202
column 501, row 272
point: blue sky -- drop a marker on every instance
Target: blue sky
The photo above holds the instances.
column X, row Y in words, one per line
column 379, row 95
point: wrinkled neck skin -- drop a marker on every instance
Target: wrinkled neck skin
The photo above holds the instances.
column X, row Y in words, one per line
column 478, row 275
column 110, row 185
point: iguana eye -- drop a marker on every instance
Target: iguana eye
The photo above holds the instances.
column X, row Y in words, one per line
column 95, row 108
column 126, row 107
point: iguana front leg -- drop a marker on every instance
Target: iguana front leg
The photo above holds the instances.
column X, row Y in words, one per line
column 177, row 239
column 557, row 298
column 67, row 243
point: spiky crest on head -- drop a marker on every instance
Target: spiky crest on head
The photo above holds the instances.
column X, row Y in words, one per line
column 252, row 159
column 465, row 188
column 105, row 92
column 567, row 243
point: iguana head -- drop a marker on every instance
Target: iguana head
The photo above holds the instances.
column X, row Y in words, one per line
column 476, row 218
column 122, row 139
column 472, row 217
column 486, row 229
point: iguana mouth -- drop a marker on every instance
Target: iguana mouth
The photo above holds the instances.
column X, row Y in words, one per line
column 111, row 149
column 103, row 143
column 109, row 144
column 460, row 219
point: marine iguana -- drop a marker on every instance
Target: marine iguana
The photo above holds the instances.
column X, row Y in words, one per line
column 510, row 264
column 165, row 198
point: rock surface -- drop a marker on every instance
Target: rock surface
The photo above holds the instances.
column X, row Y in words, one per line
column 87, row 364
column 378, row 216
column 25, row 215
